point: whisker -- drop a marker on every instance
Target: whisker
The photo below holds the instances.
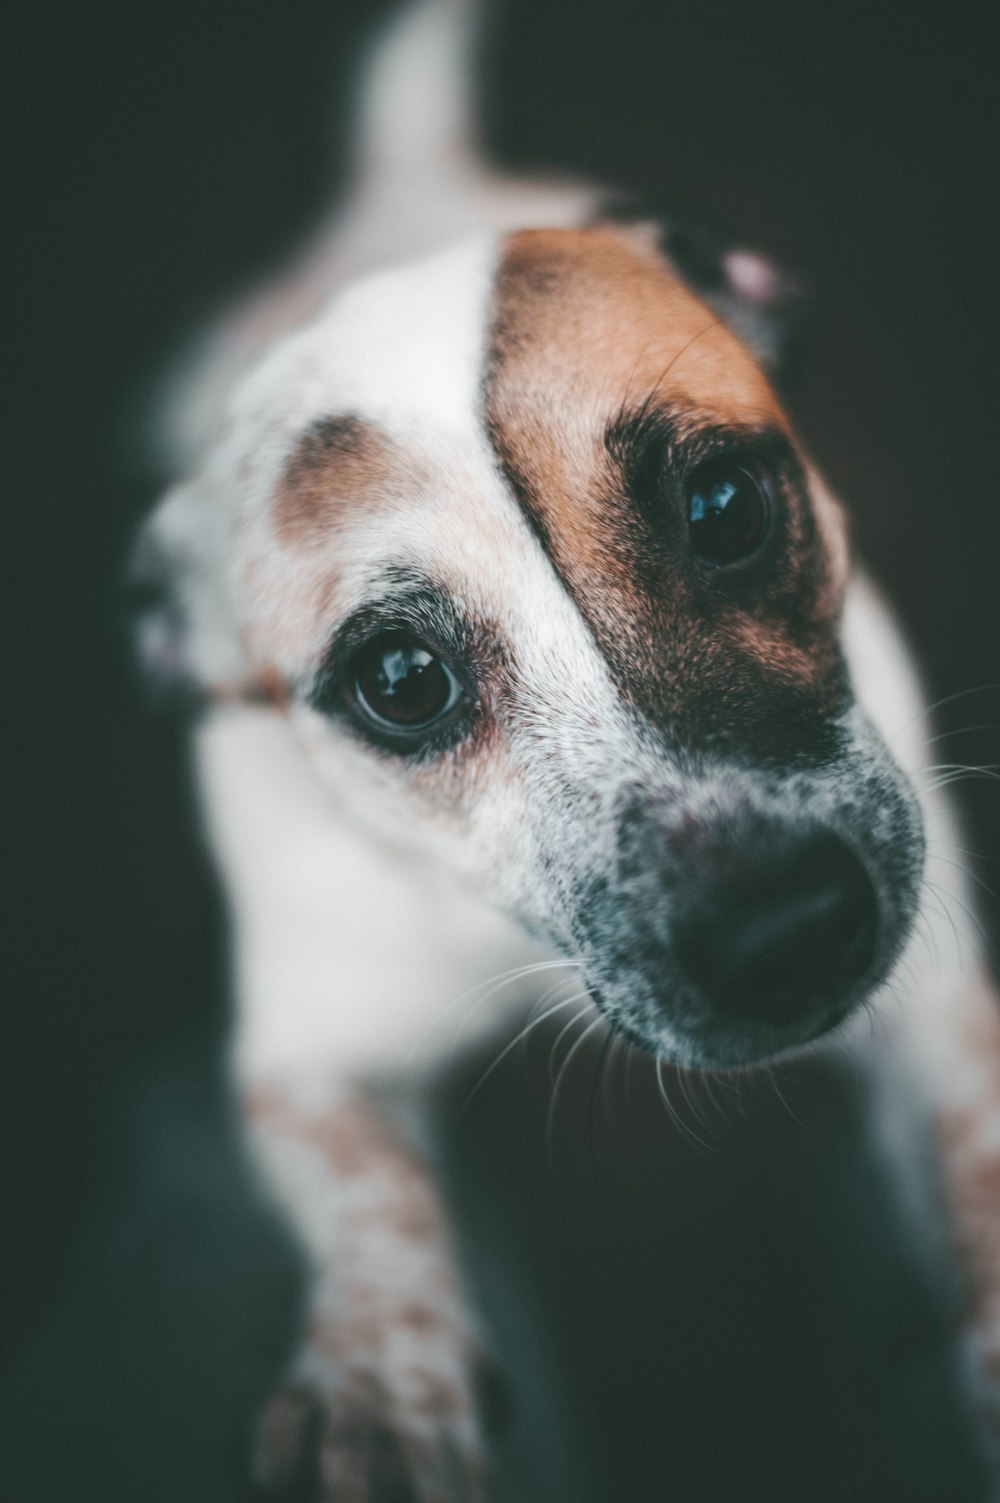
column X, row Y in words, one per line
column 618, row 1048
column 965, row 730
column 904, row 965
column 928, row 939
column 497, row 981
column 519, row 1037
column 653, row 392
column 772, row 1073
column 684, row 1078
column 959, row 772
column 973, row 920
column 495, row 984
column 881, row 1021
column 559, row 1038
column 961, row 767
column 609, row 1040
column 630, row 1053
column 595, row 1022
column 732, row 1081
column 548, row 995
column 959, row 866
column 673, row 1113
column 964, row 850
column 623, row 410
column 939, row 704
column 934, row 893
column 723, row 1095
column 870, row 1015
column 706, row 1084
column 713, row 323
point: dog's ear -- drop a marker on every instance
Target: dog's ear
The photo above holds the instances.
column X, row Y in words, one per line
column 174, row 601
column 761, row 303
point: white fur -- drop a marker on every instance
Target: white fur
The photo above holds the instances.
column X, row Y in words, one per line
column 347, row 958
column 944, row 953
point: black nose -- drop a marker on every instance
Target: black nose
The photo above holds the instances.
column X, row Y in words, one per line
column 790, row 927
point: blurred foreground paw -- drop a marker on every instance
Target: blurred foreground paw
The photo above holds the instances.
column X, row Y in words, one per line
column 361, row 1443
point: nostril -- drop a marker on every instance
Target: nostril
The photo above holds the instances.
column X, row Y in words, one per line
column 796, row 928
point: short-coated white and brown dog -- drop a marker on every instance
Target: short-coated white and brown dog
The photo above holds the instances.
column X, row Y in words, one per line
column 526, row 637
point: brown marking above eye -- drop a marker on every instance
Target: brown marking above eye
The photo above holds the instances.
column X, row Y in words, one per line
column 585, row 323
column 341, row 469
column 338, row 461
column 588, row 326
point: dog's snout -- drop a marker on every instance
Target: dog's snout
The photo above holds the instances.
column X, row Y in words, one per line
column 788, row 929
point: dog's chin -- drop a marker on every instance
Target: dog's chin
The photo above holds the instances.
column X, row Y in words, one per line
column 726, row 1046
column 715, row 1043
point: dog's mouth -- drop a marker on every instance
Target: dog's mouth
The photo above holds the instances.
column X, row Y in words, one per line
column 720, row 1045
column 736, row 1028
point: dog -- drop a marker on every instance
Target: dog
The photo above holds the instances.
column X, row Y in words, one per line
column 524, row 629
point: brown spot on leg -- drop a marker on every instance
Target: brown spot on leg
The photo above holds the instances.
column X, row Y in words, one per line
column 414, row 1317
column 364, row 1459
column 288, row 1446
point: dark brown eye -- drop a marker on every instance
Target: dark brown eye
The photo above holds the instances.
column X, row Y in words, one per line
column 400, row 685
column 728, row 513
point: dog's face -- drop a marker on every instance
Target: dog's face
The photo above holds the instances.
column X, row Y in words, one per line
column 551, row 598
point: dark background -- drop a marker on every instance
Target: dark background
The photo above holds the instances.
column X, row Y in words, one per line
column 161, row 156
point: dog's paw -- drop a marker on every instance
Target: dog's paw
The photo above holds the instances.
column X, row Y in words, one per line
column 361, row 1443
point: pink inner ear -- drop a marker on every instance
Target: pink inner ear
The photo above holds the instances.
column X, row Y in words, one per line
column 752, row 276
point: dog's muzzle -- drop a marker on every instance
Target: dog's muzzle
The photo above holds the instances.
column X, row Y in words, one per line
column 731, row 926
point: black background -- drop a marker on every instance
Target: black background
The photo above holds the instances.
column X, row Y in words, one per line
column 160, row 156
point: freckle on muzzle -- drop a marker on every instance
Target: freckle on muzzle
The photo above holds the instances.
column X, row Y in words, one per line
column 782, row 926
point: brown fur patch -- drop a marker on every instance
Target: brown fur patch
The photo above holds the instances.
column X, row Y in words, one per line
column 592, row 332
column 357, row 1144
column 338, row 461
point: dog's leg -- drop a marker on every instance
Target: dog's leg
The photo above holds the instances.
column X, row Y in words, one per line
column 967, row 1117
column 380, row 1404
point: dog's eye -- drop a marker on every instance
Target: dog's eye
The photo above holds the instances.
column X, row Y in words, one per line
column 728, row 513
column 400, row 685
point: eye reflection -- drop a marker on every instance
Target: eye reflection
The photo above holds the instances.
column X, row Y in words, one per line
column 400, row 684
column 728, row 513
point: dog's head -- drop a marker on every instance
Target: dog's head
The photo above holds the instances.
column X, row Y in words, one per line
column 524, row 540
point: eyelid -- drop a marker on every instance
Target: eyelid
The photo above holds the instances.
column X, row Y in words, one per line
column 412, row 605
